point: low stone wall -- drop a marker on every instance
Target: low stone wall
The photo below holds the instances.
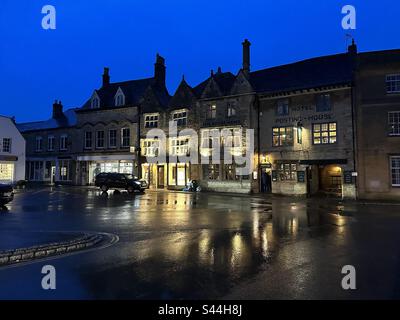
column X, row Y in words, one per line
column 58, row 248
column 227, row 186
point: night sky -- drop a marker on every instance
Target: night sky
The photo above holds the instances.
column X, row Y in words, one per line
column 38, row 66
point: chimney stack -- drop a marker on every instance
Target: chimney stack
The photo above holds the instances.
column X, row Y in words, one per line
column 352, row 49
column 57, row 110
column 246, row 56
column 106, row 76
column 159, row 71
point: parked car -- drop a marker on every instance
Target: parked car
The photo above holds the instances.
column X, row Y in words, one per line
column 130, row 183
column 6, row 194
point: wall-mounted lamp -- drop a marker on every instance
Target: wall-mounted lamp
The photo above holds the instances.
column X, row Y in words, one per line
column 299, row 132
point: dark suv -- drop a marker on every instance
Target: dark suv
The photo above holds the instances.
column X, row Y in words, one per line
column 106, row 181
column 6, row 194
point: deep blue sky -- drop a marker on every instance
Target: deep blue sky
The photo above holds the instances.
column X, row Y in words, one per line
column 195, row 36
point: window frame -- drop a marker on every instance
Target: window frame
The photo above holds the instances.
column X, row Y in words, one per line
column 151, row 118
column 281, row 143
column 283, row 172
column 97, row 139
column 393, row 134
column 86, row 139
column 321, row 137
column 395, row 83
column 211, row 111
column 114, row 146
column 279, row 103
column 391, row 158
column 123, row 137
column 180, row 117
column 53, row 139
column 9, row 144
column 39, row 138
column 317, row 102
column 64, row 142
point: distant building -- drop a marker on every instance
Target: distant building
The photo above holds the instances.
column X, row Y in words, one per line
column 12, row 152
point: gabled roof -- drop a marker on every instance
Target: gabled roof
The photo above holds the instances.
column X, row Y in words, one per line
column 311, row 73
column 184, row 97
column 224, row 81
column 133, row 90
column 68, row 120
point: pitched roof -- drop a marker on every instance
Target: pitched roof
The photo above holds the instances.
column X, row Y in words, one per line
column 183, row 97
column 311, row 73
column 68, row 120
column 224, row 80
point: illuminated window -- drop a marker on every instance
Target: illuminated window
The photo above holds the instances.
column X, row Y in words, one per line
column 179, row 146
column 282, row 136
column 324, row 133
column 287, row 171
column 395, row 170
column 6, row 145
column 394, row 123
column 213, row 172
column 151, row 120
column 324, row 103
column 64, row 170
column 180, row 117
column 231, row 111
column 393, row 83
column 150, row 148
column 211, row 111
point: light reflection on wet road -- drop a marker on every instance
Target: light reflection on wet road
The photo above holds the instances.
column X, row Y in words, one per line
column 187, row 246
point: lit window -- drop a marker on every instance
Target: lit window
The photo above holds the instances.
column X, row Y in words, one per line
column 282, row 108
column 395, row 170
column 393, row 83
column 151, row 120
column 180, row 117
column 394, row 123
column 325, row 133
column 324, row 103
column 64, row 170
column 213, row 172
column 179, row 146
column 287, row 171
column 150, row 148
column 282, row 136
column 6, row 145
column 212, row 111
column 125, row 137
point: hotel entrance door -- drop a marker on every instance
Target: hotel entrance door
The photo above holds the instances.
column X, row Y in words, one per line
column 160, row 177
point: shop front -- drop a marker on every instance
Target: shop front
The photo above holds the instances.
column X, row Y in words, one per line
column 7, row 169
column 91, row 166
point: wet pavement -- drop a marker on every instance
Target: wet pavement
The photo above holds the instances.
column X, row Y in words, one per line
column 177, row 245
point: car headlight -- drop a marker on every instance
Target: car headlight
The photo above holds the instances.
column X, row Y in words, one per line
column 137, row 182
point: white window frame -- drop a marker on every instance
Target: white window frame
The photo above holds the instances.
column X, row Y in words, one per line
column 119, row 99
column 179, row 146
column 8, row 144
column 87, row 140
column 50, row 143
column 180, row 117
column 150, row 147
column 395, row 171
column 394, row 123
column 393, row 83
column 123, row 137
column 39, row 144
column 112, row 146
column 151, row 118
column 97, row 139
column 64, row 142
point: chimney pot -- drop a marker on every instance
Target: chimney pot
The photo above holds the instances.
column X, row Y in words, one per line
column 57, row 110
column 106, row 76
column 246, row 55
column 159, row 71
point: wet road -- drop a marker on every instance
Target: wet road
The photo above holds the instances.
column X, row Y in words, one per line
column 190, row 246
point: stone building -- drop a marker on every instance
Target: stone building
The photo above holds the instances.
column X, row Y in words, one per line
column 378, row 124
column 51, row 147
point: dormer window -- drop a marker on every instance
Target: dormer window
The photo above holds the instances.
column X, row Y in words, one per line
column 119, row 98
column 95, row 103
